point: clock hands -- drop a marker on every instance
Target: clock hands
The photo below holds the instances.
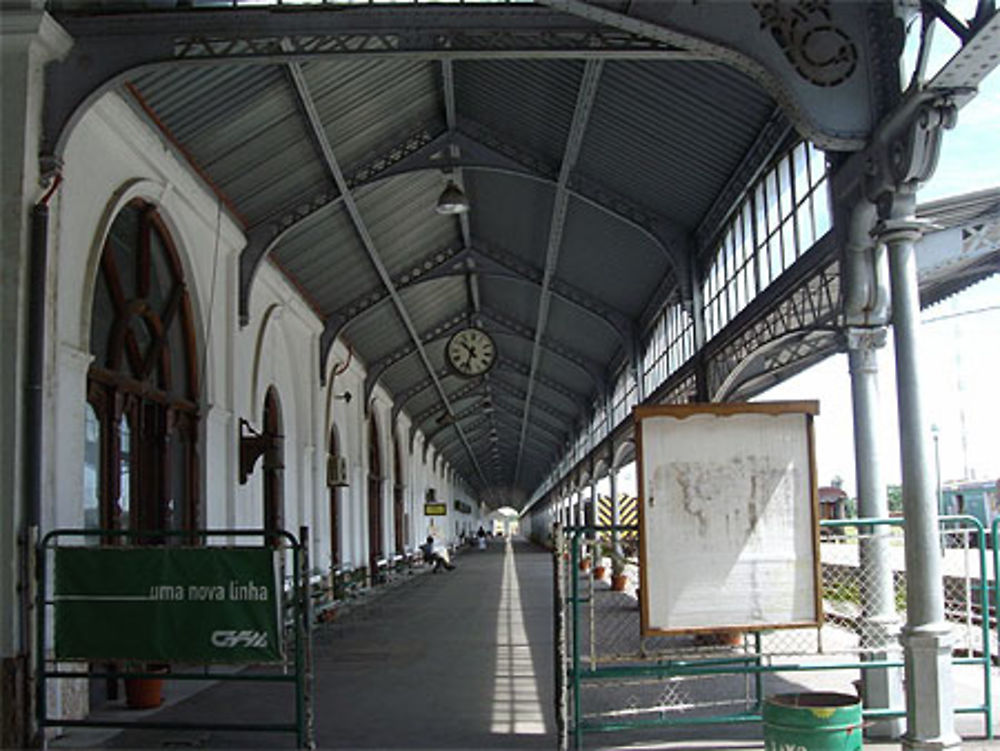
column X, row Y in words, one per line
column 471, row 352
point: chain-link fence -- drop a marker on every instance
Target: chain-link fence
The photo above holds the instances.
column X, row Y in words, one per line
column 617, row 679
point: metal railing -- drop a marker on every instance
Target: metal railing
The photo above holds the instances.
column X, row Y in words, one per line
column 295, row 670
column 614, row 679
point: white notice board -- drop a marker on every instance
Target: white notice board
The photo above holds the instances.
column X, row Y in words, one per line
column 728, row 517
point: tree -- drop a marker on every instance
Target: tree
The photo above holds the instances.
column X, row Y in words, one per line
column 895, row 494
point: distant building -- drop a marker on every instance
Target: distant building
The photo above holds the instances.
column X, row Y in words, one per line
column 978, row 498
column 832, row 503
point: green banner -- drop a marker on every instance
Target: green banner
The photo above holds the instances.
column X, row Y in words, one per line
column 167, row 604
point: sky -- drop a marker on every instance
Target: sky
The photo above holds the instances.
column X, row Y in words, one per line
column 959, row 347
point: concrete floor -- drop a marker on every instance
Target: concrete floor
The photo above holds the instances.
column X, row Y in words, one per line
column 455, row 660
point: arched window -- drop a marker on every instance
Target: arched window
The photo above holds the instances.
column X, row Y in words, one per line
column 141, row 430
column 335, row 501
column 374, row 498
column 399, row 519
column 274, row 466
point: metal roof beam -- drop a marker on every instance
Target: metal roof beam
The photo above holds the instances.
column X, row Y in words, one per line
column 448, row 262
column 319, row 135
column 593, row 369
column 586, row 95
column 509, row 417
column 109, row 48
column 489, row 258
column 440, row 330
column 471, row 388
column 421, row 150
column 543, row 405
column 523, row 371
column 660, row 230
column 833, row 100
column 776, row 131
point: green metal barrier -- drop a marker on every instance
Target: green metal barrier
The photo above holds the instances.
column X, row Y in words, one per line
column 294, row 632
column 755, row 663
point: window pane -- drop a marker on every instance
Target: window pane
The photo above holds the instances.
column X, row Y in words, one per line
column 124, row 474
column 801, row 173
column 821, row 210
column 805, row 226
column 91, row 473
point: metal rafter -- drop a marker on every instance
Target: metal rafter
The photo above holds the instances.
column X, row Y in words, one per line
column 591, row 368
column 315, row 126
column 543, row 406
column 421, row 150
column 438, row 331
column 449, row 262
column 473, row 387
column 584, row 102
column 108, row 47
column 555, row 432
column 775, row 132
column 524, row 371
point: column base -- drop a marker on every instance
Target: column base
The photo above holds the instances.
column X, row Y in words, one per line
column 930, row 707
column 882, row 688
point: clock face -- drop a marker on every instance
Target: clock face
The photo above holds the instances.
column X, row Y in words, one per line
column 471, row 352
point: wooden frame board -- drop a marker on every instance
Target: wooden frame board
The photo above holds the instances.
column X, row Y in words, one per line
column 728, row 517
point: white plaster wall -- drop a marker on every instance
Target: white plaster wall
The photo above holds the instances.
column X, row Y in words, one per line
column 113, row 156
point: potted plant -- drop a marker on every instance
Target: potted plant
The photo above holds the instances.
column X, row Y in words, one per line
column 599, row 551
column 144, row 692
column 619, row 580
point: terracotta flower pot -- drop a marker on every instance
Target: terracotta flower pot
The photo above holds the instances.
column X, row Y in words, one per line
column 143, row 693
column 599, row 572
column 619, row 582
column 584, row 564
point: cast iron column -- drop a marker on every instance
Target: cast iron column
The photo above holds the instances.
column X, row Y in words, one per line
column 927, row 636
column 883, row 687
column 616, row 518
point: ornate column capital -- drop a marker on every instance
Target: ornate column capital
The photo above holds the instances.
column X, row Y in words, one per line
column 865, row 338
column 905, row 150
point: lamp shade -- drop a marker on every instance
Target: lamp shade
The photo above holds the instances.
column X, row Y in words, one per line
column 452, row 200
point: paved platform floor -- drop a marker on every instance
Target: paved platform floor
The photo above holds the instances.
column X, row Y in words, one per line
column 454, row 660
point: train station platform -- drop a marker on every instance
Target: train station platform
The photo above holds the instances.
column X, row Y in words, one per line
column 454, row 660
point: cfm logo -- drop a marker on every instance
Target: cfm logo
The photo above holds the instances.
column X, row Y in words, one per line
column 229, row 639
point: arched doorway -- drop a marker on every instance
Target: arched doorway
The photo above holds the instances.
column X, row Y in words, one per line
column 142, row 417
column 399, row 515
column 374, row 499
column 334, row 490
column 274, row 465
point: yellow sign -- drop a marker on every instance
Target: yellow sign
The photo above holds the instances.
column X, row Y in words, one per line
column 435, row 509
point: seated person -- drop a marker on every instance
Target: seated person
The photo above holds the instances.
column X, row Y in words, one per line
column 438, row 555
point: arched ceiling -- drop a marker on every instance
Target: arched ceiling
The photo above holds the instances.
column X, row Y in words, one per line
column 600, row 146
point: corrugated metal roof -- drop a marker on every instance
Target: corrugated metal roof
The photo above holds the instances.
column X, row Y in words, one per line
column 400, row 216
column 363, row 103
column 517, row 217
column 610, row 260
column 327, row 256
column 662, row 137
column 529, row 101
column 243, row 127
column 668, row 134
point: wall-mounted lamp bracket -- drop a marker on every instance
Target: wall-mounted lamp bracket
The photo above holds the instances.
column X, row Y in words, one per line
column 253, row 445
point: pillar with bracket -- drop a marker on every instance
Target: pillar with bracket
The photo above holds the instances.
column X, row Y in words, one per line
column 926, row 639
column 882, row 687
